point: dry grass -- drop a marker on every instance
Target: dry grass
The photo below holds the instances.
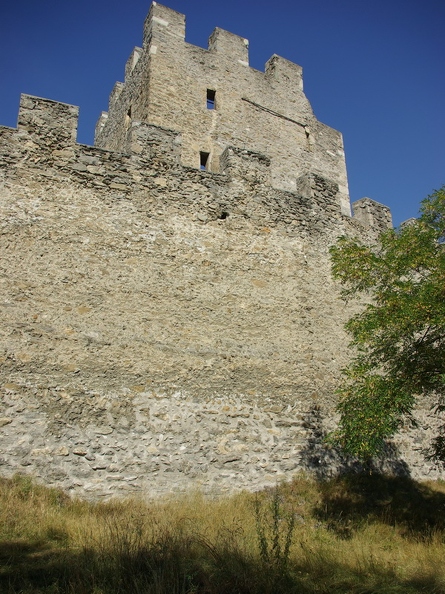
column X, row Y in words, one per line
column 359, row 534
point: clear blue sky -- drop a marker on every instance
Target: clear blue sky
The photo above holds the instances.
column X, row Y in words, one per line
column 373, row 69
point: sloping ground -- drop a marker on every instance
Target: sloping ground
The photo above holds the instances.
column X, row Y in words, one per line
column 359, row 534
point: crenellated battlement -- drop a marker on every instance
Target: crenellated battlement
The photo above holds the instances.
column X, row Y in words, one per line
column 46, row 139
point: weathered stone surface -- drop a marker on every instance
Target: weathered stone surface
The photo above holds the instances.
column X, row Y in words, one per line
column 162, row 327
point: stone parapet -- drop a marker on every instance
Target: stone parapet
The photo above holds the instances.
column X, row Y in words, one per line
column 245, row 165
column 152, row 152
column 153, row 142
column 48, row 122
column 372, row 214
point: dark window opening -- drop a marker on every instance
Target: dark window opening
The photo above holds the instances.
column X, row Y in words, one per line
column 211, row 99
column 223, row 215
column 128, row 118
column 203, row 160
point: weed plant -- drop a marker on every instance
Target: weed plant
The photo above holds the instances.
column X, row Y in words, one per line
column 361, row 534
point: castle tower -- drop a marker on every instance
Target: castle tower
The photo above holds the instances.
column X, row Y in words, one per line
column 214, row 99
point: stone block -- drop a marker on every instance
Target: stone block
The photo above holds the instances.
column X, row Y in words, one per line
column 242, row 164
column 153, row 142
column 163, row 24
column 372, row 214
column 285, row 73
column 48, row 122
column 231, row 46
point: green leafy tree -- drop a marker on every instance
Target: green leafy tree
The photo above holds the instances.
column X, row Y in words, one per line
column 399, row 336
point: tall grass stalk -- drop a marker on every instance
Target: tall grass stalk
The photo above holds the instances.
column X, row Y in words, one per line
column 274, row 528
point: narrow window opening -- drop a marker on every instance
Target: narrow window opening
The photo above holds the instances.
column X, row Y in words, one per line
column 211, row 99
column 128, row 118
column 203, row 160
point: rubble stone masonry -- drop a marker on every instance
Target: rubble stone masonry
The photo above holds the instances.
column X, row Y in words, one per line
column 165, row 327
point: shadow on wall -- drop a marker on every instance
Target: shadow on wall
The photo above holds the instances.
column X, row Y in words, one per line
column 383, row 491
column 324, row 461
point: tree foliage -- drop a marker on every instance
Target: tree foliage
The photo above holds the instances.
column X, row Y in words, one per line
column 399, row 336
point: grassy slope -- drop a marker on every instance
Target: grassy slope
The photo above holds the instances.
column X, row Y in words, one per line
column 360, row 534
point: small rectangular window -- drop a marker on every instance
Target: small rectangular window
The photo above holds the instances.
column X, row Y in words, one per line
column 128, row 118
column 203, row 160
column 211, row 99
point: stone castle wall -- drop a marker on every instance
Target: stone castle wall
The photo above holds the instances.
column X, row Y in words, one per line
column 162, row 327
